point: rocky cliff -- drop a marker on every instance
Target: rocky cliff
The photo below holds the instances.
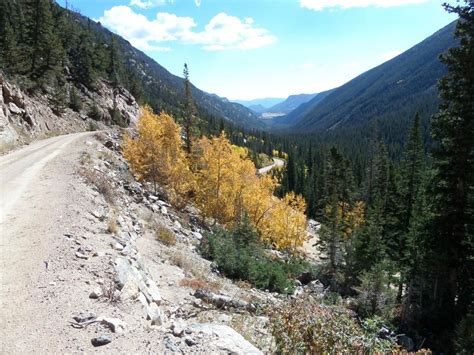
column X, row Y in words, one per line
column 25, row 116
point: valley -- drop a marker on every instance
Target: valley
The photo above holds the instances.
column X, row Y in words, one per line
column 140, row 213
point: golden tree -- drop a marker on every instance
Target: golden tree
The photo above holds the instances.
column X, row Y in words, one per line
column 156, row 154
column 229, row 189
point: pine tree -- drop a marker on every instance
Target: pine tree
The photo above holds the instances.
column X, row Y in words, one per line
column 44, row 49
column 75, row 102
column 453, row 128
column 83, row 69
column 189, row 122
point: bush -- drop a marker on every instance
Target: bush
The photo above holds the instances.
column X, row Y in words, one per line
column 304, row 326
column 239, row 255
column 165, row 236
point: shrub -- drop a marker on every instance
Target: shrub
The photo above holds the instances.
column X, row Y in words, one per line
column 239, row 255
column 304, row 326
column 199, row 284
column 165, row 236
column 101, row 182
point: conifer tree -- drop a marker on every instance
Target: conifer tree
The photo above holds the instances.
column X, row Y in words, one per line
column 453, row 128
column 44, row 49
column 189, row 123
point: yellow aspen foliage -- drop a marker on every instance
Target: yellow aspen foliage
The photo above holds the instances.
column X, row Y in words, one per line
column 229, row 189
column 285, row 223
column 217, row 179
column 156, row 155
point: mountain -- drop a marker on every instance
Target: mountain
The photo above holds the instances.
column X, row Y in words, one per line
column 257, row 108
column 47, row 46
column 265, row 102
column 302, row 109
column 292, row 102
column 393, row 91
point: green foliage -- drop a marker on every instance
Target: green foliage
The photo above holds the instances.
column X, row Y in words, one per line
column 75, row 102
column 95, row 113
column 375, row 294
column 239, row 255
column 59, row 99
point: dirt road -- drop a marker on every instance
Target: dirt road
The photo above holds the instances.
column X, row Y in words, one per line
column 277, row 162
column 35, row 193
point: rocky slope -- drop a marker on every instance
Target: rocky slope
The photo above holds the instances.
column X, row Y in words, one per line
column 92, row 273
column 24, row 117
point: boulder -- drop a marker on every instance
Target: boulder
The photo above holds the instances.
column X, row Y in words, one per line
column 101, row 340
column 14, row 109
column 155, row 314
column 224, row 338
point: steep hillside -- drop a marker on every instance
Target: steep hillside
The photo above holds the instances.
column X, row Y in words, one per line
column 291, row 103
column 301, row 110
column 46, row 47
column 395, row 89
column 257, row 108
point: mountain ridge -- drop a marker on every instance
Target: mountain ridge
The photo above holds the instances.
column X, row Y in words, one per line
column 399, row 86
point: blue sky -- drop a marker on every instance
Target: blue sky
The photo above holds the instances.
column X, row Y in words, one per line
column 245, row 49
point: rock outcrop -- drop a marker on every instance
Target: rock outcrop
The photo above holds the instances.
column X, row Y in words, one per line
column 24, row 117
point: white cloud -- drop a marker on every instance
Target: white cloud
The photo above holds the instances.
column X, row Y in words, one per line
column 319, row 5
column 221, row 33
column 148, row 4
column 197, row 2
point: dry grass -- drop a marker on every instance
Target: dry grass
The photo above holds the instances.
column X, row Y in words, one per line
column 179, row 259
column 112, row 225
column 165, row 236
column 108, row 290
column 101, row 183
column 197, row 284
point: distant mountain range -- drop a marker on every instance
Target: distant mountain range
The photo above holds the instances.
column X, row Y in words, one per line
column 258, row 104
column 291, row 103
column 395, row 90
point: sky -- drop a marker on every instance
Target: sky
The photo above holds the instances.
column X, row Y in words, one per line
column 247, row 49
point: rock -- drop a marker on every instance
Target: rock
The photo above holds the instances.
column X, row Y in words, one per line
column 118, row 246
column 15, row 109
column 123, row 270
column 170, row 345
column 197, row 235
column 153, row 292
column 155, row 315
column 189, row 341
column 155, row 208
column 225, row 339
column 84, row 317
column 177, row 225
column 129, row 291
column 177, row 330
column 109, row 144
column 79, row 255
column 95, row 294
column 316, row 286
column 102, row 340
column 223, row 301
column 406, row 342
column 115, row 325
column 164, row 210
column 99, row 254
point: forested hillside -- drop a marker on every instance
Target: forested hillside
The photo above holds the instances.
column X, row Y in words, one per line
column 44, row 46
column 384, row 163
column 389, row 93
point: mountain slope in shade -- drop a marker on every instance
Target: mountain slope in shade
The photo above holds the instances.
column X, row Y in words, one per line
column 291, row 103
column 165, row 91
column 301, row 110
column 402, row 86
